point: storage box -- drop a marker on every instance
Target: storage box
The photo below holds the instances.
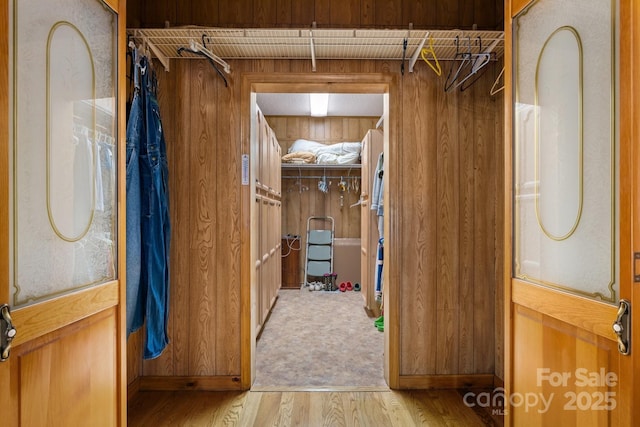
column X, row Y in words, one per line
column 291, row 277
column 346, row 259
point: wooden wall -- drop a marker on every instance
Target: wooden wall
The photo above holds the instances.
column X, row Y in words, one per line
column 328, row 130
column 300, row 195
column 463, row 14
column 451, row 154
column 301, row 198
column 201, row 126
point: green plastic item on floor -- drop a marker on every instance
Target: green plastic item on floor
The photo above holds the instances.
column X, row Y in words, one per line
column 379, row 323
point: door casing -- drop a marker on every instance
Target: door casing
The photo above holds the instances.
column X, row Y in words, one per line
column 331, row 83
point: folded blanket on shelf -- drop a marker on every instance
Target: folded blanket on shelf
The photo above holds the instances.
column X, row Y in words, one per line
column 299, row 157
column 341, row 153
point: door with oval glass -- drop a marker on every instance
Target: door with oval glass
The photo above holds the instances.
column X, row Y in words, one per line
column 570, row 229
column 62, row 326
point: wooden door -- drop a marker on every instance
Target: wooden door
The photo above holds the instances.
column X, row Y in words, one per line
column 371, row 148
column 365, row 213
column 62, row 208
column 570, row 235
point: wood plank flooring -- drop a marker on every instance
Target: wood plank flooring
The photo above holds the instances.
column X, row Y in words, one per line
column 305, row 408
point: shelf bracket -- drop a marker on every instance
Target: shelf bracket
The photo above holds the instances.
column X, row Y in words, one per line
column 164, row 60
column 313, row 49
column 416, row 54
column 161, row 57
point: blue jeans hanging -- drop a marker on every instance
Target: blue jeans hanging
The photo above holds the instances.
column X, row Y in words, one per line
column 136, row 294
column 155, row 224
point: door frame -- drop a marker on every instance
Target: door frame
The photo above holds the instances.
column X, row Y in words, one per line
column 552, row 301
column 101, row 301
column 5, row 375
column 332, row 83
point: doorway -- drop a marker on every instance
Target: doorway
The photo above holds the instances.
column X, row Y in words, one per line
column 355, row 84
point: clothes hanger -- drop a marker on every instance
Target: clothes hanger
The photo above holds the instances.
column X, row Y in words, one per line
column 465, row 60
column 424, row 52
column 473, row 76
column 214, row 57
column 193, row 48
column 145, row 48
column 495, row 90
column 475, row 62
column 130, row 58
column 480, row 63
column 404, row 55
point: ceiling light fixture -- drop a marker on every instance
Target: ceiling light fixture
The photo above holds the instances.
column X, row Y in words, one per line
column 319, row 103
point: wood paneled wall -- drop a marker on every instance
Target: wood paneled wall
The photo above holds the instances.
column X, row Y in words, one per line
column 451, row 232
column 328, row 130
column 268, row 212
column 301, row 197
column 201, row 126
column 451, row 146
column 451, row 152
column 463, row 14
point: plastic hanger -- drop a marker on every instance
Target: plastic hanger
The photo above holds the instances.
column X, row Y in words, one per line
column 424, row 52
column 200, row 50
column 476, row 62
column 480, row 63
column 495, row 90
column 465, row 60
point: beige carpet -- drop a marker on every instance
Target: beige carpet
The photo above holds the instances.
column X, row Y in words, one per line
column 319, row 339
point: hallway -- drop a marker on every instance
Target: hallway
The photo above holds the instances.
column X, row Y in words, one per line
column 319, row 339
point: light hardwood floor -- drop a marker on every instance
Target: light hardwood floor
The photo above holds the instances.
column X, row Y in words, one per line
column 305, row 408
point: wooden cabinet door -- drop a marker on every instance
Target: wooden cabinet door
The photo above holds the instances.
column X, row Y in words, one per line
column 60, row 246
column 365, row 274
column 571, row 232
column 372, row 146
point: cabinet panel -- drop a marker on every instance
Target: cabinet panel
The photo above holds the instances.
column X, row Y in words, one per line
column 372, row 147
column 268, row 277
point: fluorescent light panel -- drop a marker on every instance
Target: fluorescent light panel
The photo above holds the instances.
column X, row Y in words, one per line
column 318, row 103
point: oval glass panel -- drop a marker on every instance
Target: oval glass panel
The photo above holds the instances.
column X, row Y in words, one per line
column 70, row 128
column 559, row 134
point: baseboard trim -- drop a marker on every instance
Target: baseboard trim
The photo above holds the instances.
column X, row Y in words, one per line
column 133, row 388
column 219, row 383
column 223, row 383
column 424, row 382
column 266, row 389
column 498, row 382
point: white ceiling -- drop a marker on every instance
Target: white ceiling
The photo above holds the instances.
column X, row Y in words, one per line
column 340, row 104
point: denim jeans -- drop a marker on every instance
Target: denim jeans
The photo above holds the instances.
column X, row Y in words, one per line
column 136, row 294
column 155, row 224
column 148, row 226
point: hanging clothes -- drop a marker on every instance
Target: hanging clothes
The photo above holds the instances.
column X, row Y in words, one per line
column 135, row 132
column 378, row 186
column 377, row 198
column 379, row 266
column 377, row 202
column 155, row 224
column 148, row 223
